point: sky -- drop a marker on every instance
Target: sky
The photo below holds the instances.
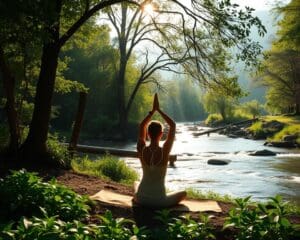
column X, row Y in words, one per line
column 259, row 5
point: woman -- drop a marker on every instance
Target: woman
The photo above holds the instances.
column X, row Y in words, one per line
column 151, row 191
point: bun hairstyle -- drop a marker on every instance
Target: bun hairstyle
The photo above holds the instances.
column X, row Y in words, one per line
column 154, row 129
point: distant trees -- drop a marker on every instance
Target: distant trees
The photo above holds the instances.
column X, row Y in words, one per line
column 280, row 72
column 182, row 100
column 252, row 108
column 218, row 103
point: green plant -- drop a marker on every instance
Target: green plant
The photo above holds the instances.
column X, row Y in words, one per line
column 287, row 130
column 183, row 228
column 52, row 228
column 262, row 221
column 213, row 119
column 24, row 194
column 107, row 167
column 59, row 153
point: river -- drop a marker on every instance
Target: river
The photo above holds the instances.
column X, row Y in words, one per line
column 260, row 177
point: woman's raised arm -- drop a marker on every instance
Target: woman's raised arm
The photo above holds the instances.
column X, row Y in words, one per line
column 171, row 134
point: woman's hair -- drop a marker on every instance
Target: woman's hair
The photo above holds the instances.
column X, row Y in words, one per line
column 154, row 129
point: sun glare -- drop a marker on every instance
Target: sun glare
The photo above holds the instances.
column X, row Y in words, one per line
column 148, row 8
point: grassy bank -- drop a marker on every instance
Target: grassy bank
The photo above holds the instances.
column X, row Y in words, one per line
column 291, row 126
column 107, row 167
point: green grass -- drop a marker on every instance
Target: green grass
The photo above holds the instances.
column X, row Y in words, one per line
column 197, row 194
column 287, row 130
column 289, row 120
column 292, row 126
column 107, row 167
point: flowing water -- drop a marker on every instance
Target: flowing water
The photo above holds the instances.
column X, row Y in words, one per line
column 260, row 177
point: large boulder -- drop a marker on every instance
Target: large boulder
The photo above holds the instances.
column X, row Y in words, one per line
column 273, row 125
column 282, row 144
column 264, row 152
column 218, row 161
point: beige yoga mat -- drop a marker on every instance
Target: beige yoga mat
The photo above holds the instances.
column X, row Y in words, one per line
column 184, row 206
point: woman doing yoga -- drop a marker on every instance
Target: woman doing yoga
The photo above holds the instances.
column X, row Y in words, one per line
column 151, row 190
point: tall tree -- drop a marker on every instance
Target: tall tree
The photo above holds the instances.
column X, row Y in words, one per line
column 194, row 36
column 59, row 25
column 280, row 72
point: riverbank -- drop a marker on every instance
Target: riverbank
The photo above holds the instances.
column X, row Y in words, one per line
column 278, row 131
column 172, row 226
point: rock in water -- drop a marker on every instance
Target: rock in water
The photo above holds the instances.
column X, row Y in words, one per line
column 264, row 152
column 218, row 161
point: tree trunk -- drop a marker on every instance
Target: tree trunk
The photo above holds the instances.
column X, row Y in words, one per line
column 78, row 121
column 132, row 96
column 123, row 118
column 121, row 101
column 35, row 144
column 12, row 115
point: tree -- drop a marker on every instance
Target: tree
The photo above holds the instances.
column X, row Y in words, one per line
column 218, row 103
column 57, row 21
column 179, row 34
column 252, row 108
column 135, row 27
column 280, row 72
column 54, row 19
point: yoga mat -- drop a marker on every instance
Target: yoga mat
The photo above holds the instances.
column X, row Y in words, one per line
column 110, row 197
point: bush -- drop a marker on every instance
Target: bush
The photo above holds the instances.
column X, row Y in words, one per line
column 183, row 228
column 53, row 228
column 107, row 167
column 58, row 153
column 262, row 221
column 213, row 119
column 24, row 194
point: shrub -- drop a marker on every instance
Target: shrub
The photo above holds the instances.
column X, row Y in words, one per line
column 262, row 221
column 183, row 228
column 108, row 167
column 58, row 153
column 24, row 194
column 213, row 119
column 56, row 229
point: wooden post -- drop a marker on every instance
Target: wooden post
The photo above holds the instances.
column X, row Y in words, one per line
column 78, row 120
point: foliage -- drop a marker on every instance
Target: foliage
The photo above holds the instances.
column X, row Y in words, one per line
column 182, row 100
column 213, row 119
column 221, row 104
column 24, row 194
column 107, row 167
column 287, row 130
column 183, row 228
column 55, row 229
column 279, row 72
column 264, row 221
column 58, row 152
column 252, row 108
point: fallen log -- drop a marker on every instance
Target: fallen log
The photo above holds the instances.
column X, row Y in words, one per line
column 112, row 151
